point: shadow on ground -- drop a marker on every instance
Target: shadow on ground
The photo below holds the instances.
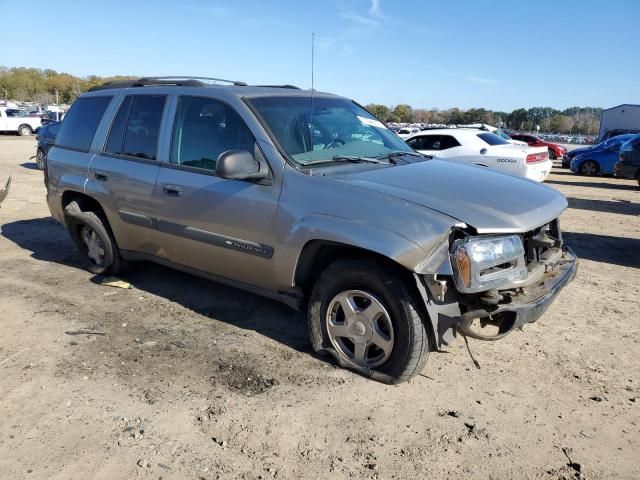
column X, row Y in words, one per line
column 614, row 186
column 601, row 248
column 30, row 165
column 623, row 207
column 49, row 241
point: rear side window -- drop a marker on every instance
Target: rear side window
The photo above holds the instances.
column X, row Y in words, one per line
column 135, row 129
column 447, row 141
column 81, row 122
column 427, row 142
column 492, row 139
column 203, row 129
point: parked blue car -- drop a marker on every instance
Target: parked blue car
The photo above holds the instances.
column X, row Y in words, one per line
column 600, row 158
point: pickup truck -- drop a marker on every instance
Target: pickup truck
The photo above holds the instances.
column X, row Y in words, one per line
column 10, row 121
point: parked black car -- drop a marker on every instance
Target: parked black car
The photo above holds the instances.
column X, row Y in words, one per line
column 46, row 137
column 629, row 164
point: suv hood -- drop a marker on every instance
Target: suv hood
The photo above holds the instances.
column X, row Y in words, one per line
column 489, row 201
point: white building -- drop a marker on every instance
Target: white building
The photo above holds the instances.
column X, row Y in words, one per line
column 625, row 116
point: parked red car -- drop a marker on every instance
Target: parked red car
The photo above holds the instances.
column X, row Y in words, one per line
column 555, row 150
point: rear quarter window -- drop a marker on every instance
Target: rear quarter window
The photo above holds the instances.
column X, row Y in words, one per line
column 81, row 123
column 492, row 139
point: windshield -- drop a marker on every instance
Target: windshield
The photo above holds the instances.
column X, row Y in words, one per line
column 615, row 140
column 335, row 127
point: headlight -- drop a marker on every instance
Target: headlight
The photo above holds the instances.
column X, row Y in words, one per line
column 483, row 263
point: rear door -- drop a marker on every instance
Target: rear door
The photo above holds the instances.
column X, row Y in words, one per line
column 220, row 226
column 122, row 176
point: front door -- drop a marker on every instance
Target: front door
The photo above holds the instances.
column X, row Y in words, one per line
column 220, row 226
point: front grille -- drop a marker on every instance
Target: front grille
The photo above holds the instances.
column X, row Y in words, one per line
column 541, row 243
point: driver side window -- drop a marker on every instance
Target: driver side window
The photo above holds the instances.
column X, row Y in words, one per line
column 203, row 129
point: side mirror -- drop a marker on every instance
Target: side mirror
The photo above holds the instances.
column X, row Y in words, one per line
column 239, row 165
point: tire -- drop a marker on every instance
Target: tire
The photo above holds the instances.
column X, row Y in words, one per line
column 400, row 326
column 92, row 235
column 589, row 168
column 40, row 158
column 552, row 154
column 24, row 130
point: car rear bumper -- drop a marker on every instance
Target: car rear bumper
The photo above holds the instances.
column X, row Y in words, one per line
column 528, row 306
column 538, row 171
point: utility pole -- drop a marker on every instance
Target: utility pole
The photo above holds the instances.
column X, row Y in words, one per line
column 57, row 99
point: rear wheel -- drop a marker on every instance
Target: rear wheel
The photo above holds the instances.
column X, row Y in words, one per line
column 589, row 168
column 40, row 159
column 369, row 318
column 552, row 154
column 24, row 130
column 90, row 232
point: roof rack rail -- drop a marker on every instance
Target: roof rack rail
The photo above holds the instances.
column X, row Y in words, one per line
column 293, row 87
column 178, row 81
column 189, row 77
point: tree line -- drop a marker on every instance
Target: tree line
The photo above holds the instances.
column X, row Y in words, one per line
column 37, row 85
column 579, row 120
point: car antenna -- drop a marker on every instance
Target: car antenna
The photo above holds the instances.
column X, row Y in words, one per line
column 313, row 38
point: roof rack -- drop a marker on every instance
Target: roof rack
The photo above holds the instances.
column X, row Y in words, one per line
column 178, row 81
column 293, row 87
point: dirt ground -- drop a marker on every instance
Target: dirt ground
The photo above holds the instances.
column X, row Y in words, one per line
column 182, row 378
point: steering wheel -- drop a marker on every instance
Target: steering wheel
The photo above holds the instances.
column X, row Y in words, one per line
column 333, row 143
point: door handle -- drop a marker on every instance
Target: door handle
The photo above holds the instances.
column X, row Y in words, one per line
column 172, row 190
column 101, row 176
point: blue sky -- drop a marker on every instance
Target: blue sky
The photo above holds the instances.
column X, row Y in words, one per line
column 495, row 54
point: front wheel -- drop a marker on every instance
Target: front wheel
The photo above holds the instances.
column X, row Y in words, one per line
column 370, row 319
column 589, row 168
column 552, row 155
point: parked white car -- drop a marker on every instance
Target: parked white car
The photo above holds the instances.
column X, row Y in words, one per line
column 18, row 122
column 477, row 147
column 406, row 132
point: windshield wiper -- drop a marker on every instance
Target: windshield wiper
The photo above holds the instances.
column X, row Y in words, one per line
column 391, row 156
column 351, row 159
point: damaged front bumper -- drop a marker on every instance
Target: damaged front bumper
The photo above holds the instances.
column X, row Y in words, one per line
column 520, row 306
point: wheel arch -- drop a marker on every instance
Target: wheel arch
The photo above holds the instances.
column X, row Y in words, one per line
column 316, row 255
column 86, row 202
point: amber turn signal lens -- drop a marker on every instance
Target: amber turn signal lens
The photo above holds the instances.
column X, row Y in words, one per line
column 464, row 266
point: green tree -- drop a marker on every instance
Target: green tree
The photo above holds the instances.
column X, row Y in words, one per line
column 381, row 112
column 402, row 114
column 518, row 119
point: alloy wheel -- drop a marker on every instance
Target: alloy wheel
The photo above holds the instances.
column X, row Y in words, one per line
column 93, row 246
column 359, row 328
column 589, row 168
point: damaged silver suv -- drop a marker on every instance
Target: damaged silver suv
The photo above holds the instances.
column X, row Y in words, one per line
column 307, row 198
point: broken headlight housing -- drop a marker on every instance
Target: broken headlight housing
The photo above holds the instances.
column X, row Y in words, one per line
column 484, row 263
